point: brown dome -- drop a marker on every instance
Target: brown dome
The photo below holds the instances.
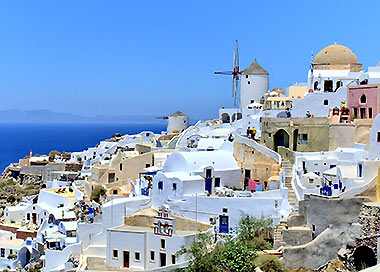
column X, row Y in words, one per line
column 336, row 54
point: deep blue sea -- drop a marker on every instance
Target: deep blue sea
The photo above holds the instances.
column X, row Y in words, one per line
column 16, row 140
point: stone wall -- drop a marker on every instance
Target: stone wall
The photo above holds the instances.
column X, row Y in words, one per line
column 321, row 211
column 321, row 250
column 73, row 167
column 369, row 219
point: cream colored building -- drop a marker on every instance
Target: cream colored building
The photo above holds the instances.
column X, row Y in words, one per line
column 123, row 170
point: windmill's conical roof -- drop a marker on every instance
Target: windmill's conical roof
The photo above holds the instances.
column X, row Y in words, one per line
column 177, row 113
column 255, row 69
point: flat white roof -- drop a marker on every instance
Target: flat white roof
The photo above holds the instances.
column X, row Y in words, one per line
column 193, row 161
column 71, row 225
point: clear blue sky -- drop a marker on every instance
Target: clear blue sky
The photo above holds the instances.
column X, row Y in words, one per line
column 155, row 57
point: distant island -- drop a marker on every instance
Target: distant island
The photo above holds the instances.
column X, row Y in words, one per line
column 45, row 116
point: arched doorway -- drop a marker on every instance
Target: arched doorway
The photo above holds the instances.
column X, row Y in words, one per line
column 225, row 117
column 281, row 138
column 24, row 256
column 236, row 116
column 364, row 257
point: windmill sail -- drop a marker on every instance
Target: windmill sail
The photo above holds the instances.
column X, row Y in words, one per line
column 235, row 74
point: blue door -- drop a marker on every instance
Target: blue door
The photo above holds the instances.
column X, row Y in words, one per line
column 208, row 185
column 223, row 224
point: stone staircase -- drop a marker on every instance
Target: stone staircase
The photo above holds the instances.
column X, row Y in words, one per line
column 288, row 183
column 287, row 167
column 277, row 236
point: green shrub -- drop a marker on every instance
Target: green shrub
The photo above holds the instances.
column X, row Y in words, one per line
column 33, row 192
column 29, row 187
column 236, row 256
column 258, row 244
column 268, row 263
column 10, row 182
column 97, row 192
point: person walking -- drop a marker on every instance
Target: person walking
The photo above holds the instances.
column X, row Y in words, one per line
column 253, row 133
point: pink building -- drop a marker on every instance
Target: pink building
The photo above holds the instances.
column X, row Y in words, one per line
column 363, row 101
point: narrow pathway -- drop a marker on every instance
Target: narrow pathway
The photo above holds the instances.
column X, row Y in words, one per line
column 287, row 167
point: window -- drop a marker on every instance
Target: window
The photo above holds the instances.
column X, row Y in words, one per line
column 111, row 177
column 147, row 165
column 355, row 112
column 378, row 136
column 315, row 85
column 3, row 252
column 360, row 170
column 325, row 102
column 160, row 185
column 121, row 167
column 249, row 82
column 363, row 113
column 147, row 134
column 10, row 251
column 174, row 186
column 363, row 99
column 246, row 76
column 208, row 173
column 369, row 112
column 115, row 253
column 252, row 101
column 173, row 259
column 28, row 216
column 225, row 210
column 137, row 256
column 217, row 182
column 302, row 139
column 152, row 255
column 163, row 245
column 328, row 86
column 114, row 192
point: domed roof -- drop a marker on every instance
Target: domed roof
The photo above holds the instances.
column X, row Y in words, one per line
column 336, row 54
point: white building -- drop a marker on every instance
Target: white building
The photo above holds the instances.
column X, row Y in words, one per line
column 10, row 247
column 374, row 139
column 151, row 246
column 335, row 68
column 194, row 184
column 343, row 172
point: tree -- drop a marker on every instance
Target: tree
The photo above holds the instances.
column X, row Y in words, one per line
column 250, row 227
column 236, row 256
column 97, row 192
column 201, row 254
